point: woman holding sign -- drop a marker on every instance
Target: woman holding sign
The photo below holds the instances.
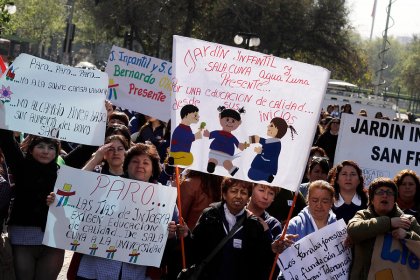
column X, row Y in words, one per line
column 34, row 174
column 313, row 217
column 141, row 163
column 317, row 214
column 383, row 216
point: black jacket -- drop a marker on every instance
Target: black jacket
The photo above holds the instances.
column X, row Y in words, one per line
column 33, row 182
column 247, row 255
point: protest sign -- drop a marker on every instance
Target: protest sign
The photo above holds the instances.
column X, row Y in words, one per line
column 110, row 217
column 394, row 259
column 53, row 100
column 139, row 82
column 265, row 128
column 320, row 255
column 381, row 148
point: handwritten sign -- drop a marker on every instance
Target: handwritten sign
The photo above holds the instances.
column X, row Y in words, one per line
column 53, row 100
column 395, row 259
column 110, row 217
column 139, row 82
column 243, row 114
column 320, row 255
column 380, row 147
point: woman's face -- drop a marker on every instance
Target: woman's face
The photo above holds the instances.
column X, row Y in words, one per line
column 272, row 130
column 383, row 200
column 115, row 154
column 407, row 189
column 236, row 198
column 44, row 152
column 335, row 126
column 317, row 174
column 320, row 202
column 348, row 179
column 262, row 196
column 140, row 168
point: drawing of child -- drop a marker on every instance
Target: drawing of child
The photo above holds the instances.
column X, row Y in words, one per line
column 222, row 148
column 265, row 164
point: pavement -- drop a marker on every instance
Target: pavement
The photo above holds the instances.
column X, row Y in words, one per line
column 67, row 259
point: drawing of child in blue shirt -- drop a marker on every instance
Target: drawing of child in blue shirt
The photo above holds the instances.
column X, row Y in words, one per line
column 222, row 148
column 183, row 137
column 265, row 164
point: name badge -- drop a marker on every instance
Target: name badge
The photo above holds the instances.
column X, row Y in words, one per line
column 237, row 243
column 290, row 202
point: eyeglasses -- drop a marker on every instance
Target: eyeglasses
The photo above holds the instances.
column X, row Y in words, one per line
column 382, row 192
column 336, row 122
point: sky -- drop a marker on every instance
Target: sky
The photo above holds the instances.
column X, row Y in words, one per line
column 406, row 15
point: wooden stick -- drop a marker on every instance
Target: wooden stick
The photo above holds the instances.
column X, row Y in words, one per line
column 181, row 220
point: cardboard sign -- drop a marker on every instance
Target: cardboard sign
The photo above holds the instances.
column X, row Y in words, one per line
column 243, row 114
column 381, row 148
column 52, row 100
column 139, row 82
column 320, row 255
column 110, row 217
column 394, row 259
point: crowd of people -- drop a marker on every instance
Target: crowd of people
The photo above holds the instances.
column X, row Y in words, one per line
column 137, row 147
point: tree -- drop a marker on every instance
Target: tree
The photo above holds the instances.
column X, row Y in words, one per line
column 409, row 73
column 40, row 21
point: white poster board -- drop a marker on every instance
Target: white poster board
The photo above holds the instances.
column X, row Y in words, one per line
column 208, row 75
column 52, row 100
column 139, row 82
column 110, row 217
column 381, row 148
column 320, row 255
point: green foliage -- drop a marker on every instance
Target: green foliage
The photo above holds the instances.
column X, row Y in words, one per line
column 38, row 20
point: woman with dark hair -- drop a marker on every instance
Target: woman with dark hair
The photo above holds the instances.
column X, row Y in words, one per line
column 265, row 164
column 381, row 217
column 347, row 108
column 119, row 130
column 408, row 184
column 328, row 139
column 350, row 196
column 35, row 174
column 118, row 117
column 318, row 170
column 247, row 255
column 109, row 158
column 314, row 152
column 141, row 163
column 152, row 131
column 198, row 191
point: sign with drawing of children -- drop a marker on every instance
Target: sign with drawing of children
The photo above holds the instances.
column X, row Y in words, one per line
column 139, row 82
column 110, row 217
column 382, row 148
column 52, row 100
column 241, row 113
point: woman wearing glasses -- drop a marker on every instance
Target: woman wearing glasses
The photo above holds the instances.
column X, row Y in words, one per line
column 381, row 217
column 347, row 180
